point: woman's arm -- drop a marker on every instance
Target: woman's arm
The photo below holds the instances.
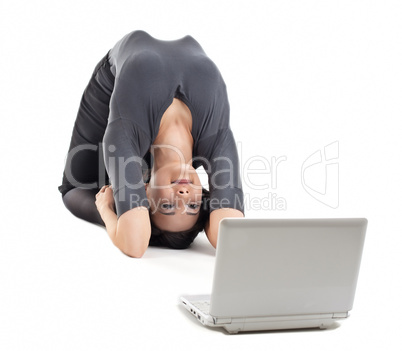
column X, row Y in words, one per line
column 223, row 168
column 131, row 232
column 212, row 226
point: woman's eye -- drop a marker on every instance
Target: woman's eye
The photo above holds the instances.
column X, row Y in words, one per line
column 166, row 206
column 193, row 206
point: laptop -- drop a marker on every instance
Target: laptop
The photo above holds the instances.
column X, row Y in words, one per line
column 275, row 274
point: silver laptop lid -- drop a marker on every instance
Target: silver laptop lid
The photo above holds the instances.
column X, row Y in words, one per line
column 270, row 267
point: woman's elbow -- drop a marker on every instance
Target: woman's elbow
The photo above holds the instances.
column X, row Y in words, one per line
column 134, row 251
column 133, row 254
column 133, row 232
column 135, row 247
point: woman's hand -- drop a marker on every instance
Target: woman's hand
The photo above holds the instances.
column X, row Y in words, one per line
column 104, row 199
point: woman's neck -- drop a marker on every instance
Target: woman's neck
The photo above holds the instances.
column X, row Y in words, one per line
column 174, row 142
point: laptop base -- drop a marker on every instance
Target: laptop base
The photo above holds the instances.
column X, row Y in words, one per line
column 243, row 324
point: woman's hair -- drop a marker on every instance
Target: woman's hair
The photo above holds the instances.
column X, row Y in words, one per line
column 182, row 239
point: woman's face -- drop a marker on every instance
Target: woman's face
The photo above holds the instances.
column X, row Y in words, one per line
column 174, row 193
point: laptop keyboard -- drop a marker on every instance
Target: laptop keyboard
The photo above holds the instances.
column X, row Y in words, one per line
column 203, row 306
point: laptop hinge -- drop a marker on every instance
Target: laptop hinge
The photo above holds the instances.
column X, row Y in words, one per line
column 218, row 320
column 340, row 315
column 222, row 320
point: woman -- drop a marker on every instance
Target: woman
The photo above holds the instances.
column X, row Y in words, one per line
column 152, row 113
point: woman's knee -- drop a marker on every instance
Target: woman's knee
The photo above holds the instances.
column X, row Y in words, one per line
column 81, row 203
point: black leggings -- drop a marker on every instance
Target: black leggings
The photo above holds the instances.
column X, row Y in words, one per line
column 85, row 173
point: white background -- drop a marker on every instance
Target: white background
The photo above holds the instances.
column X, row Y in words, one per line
column 300, row 75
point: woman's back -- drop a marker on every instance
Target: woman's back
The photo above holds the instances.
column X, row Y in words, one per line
column 150, row 73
